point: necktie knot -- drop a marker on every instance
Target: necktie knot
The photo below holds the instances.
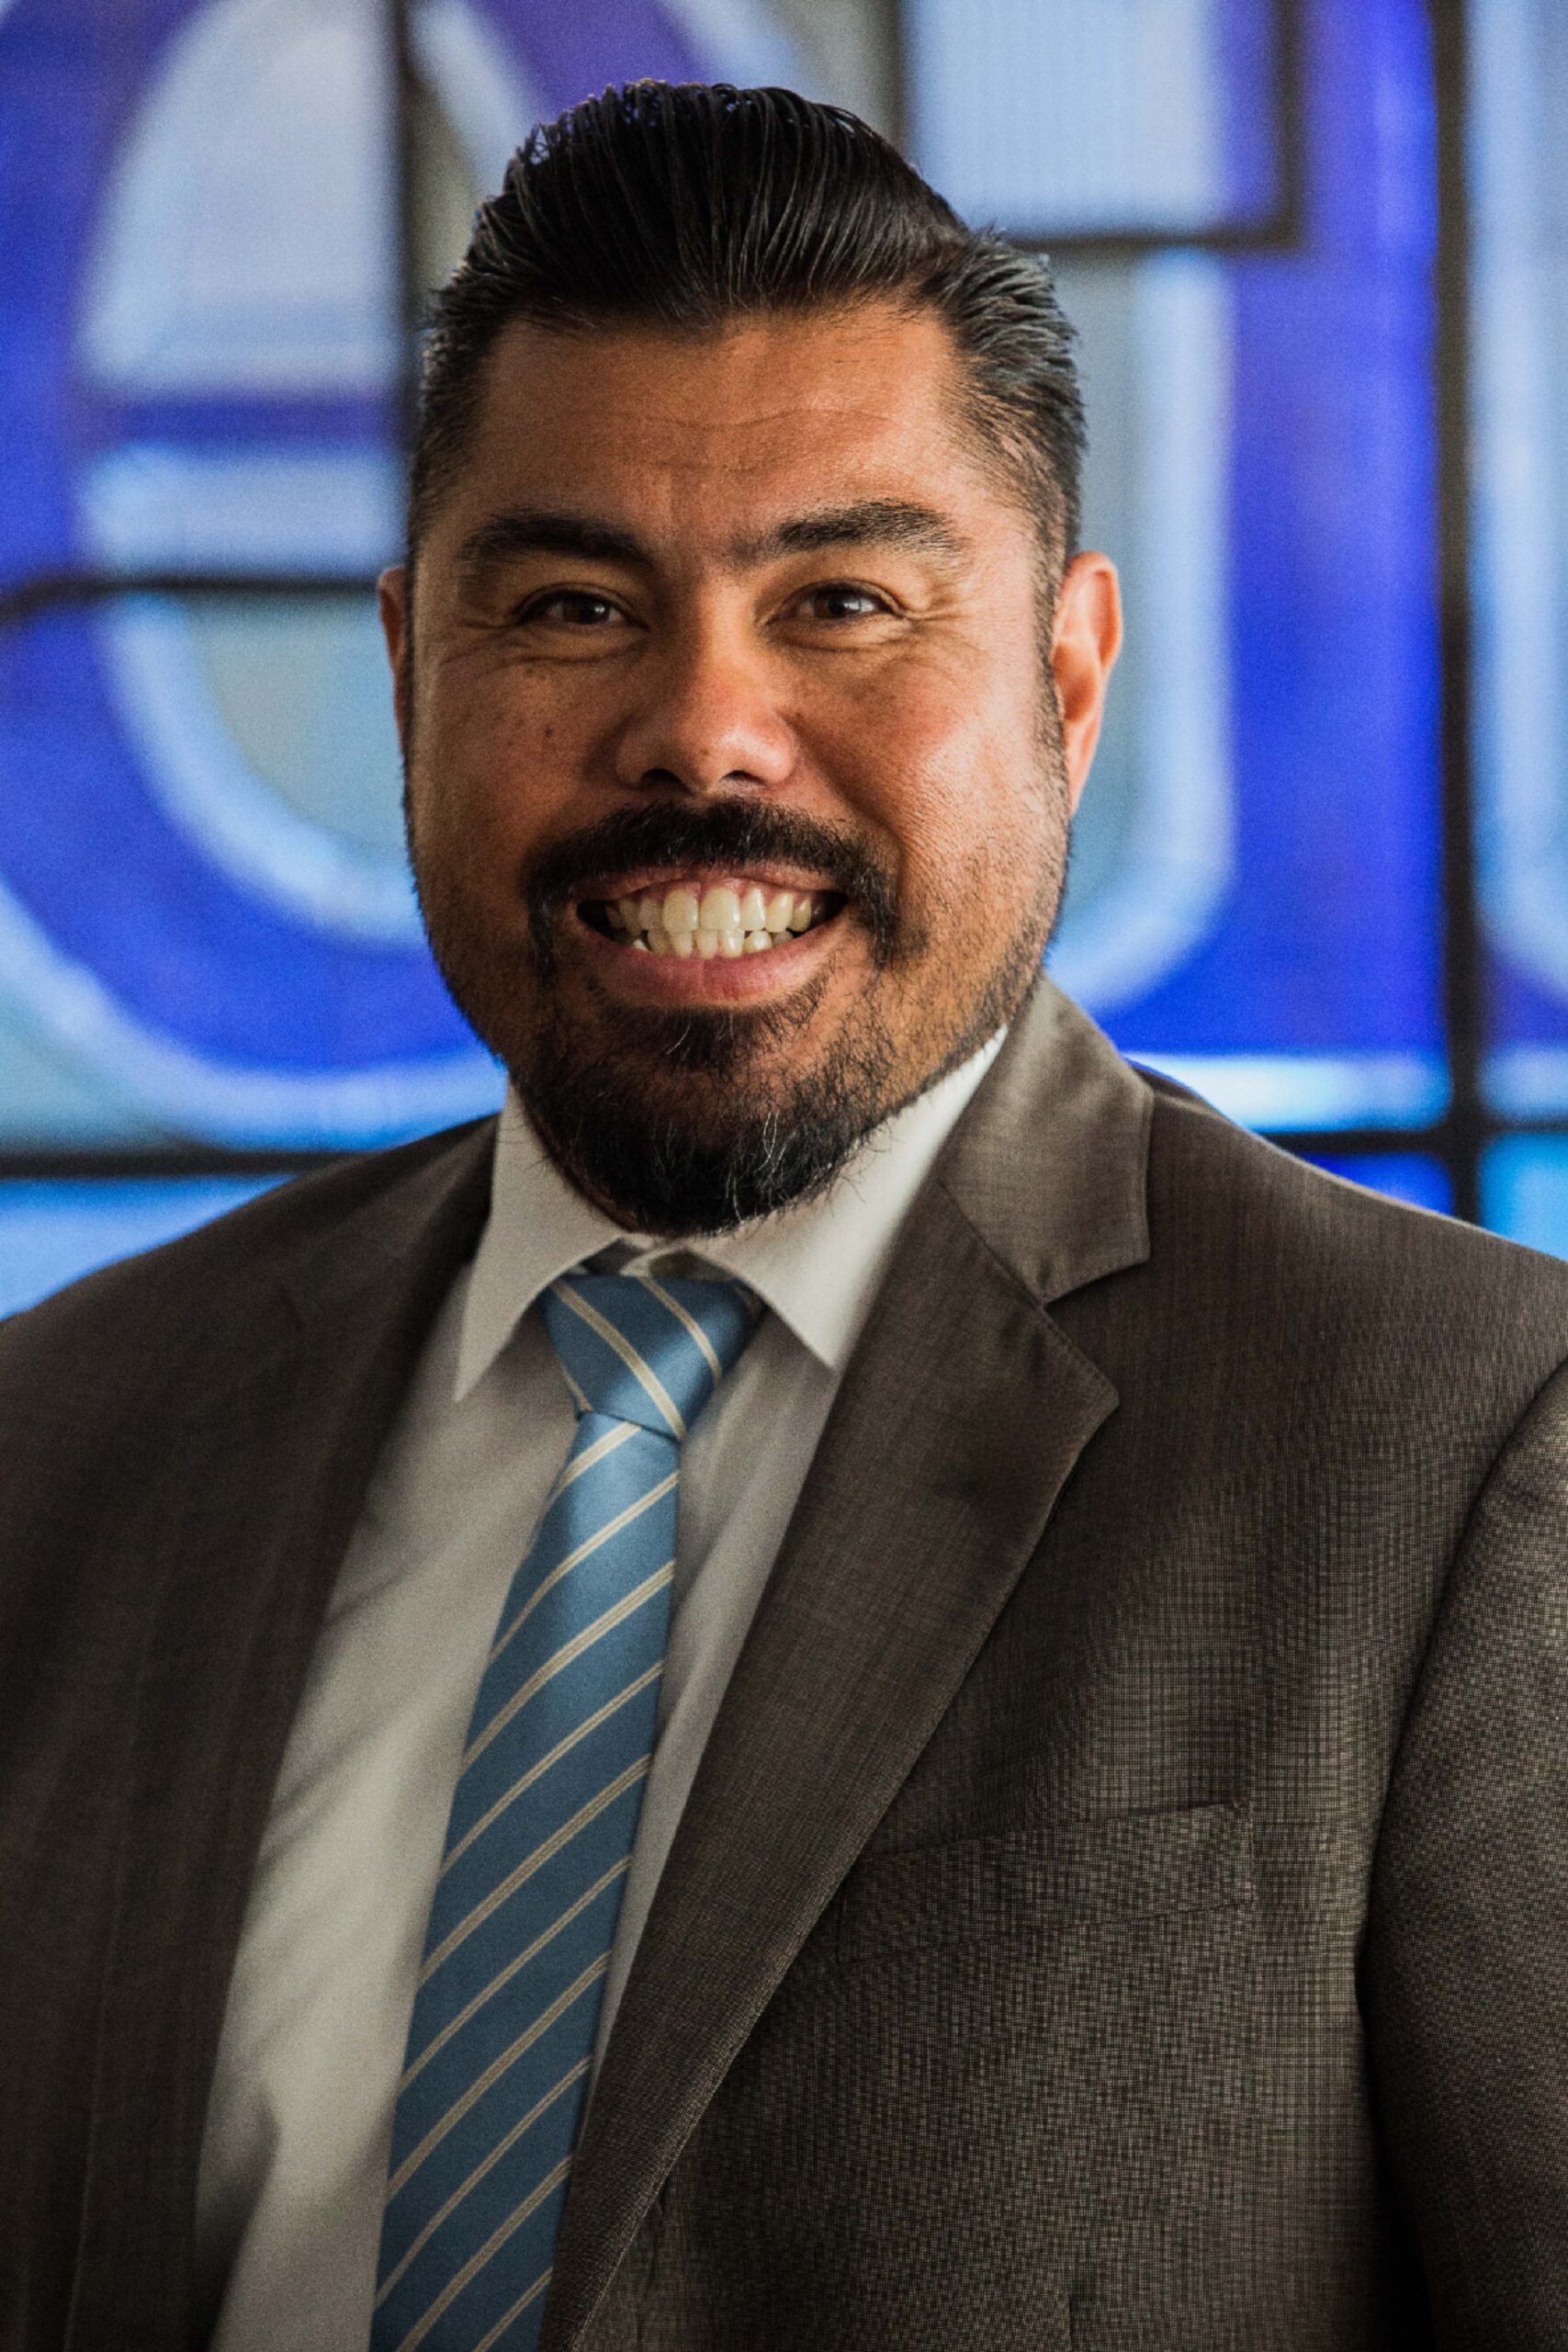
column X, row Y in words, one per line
column 643, row 1349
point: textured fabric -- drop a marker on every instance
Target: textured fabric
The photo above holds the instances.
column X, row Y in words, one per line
column 1124, row 1898
column 543, row 1820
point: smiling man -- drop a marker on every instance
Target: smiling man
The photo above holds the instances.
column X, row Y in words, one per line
column 737, row 800
column 862, row 1681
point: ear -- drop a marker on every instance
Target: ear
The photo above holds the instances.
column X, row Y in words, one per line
column 392, row 591
column 1085, row 641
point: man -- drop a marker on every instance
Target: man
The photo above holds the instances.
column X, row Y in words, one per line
column 1085, row 1860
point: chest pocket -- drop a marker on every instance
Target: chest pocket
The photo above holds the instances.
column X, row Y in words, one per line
column 1114, row 1868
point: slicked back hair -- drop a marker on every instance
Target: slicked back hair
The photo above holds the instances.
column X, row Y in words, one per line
column 688, row 207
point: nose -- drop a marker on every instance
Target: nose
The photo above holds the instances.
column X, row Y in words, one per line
column 707, row 715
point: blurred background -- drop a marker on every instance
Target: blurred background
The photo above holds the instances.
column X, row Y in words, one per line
column 1317, row 255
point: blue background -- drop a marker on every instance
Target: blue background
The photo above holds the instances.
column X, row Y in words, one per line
column 177, row 1028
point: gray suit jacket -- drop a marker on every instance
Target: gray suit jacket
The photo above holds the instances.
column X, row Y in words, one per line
column 1124, row 1903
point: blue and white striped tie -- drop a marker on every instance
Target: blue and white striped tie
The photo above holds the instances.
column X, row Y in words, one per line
column 542, row 1825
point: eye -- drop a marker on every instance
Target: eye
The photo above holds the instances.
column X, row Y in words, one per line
column 841, row 600
column 575, row 608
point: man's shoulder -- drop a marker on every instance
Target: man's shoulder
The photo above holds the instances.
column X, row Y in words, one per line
column 1162, row 1233
column 154, row 1304
column 1268, row 1234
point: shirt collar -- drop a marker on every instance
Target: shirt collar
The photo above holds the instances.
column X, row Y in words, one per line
column 818, row 1265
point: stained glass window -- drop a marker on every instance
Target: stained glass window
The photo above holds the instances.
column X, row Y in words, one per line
column 1314, row 250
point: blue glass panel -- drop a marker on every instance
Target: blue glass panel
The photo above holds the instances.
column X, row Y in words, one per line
column 202, row 898
column 1286, row 1091
column 1524, row 1191
column 198, row 285
column 1404, row 1175
column 1149, row 117
column 1255, row 900
column 1518, row 52
column 51, row 1233
column 206, row 927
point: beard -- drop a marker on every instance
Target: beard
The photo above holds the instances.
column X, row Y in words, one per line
column 737, row 1147
column 685, row 1122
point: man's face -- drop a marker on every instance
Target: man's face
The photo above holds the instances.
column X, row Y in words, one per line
column 710, row 639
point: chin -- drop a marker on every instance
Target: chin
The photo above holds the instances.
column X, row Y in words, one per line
column 692, row 1129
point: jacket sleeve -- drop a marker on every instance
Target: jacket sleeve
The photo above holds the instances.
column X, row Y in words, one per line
column 1465, row 1967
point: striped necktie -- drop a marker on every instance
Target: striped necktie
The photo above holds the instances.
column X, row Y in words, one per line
column 542, row 1825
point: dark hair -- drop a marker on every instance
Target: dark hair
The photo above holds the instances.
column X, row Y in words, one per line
column 685, row 206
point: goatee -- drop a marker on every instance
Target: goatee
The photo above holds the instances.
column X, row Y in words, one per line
column 751, row 1150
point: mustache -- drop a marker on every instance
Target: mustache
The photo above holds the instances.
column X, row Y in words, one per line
column 734, row 833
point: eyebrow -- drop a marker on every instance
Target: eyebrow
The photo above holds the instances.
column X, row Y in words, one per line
column 542, row 530
column 519, row 531
column 879, row 522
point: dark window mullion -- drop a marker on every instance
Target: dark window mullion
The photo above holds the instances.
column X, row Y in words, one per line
column 1468, row 1126
column 26, row 600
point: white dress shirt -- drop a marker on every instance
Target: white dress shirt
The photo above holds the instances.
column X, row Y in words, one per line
column 294, row 2162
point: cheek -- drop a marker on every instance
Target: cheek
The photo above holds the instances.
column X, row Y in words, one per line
column 487, row 778
column 952, row 767
column 982, row 824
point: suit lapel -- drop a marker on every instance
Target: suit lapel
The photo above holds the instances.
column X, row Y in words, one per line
column 958, row 1424
column 242, row 1524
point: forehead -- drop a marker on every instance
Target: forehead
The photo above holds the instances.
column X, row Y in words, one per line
column 715, row 434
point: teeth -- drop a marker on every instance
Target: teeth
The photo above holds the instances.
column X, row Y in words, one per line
column 720, row 910
column 723, row 921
